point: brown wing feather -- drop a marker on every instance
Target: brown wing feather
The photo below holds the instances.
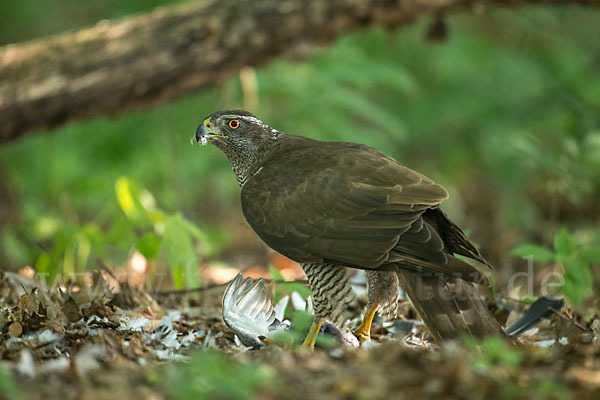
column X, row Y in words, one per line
column 347, row 204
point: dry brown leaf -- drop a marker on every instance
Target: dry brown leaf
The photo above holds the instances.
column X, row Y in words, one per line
column 15, row 329
column 29, row 303
column 71, row 310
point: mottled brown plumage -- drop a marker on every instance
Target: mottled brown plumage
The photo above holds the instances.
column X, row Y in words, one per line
column 346, row 204
column 383, row 292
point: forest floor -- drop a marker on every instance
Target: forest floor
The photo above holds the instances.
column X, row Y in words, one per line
column 119, row 342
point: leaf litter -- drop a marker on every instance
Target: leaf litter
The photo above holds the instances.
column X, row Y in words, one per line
column 123, row 342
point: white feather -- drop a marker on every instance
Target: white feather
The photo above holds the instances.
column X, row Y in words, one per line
column 248, row 311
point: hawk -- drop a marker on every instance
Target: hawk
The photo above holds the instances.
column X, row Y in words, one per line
column 333, row 205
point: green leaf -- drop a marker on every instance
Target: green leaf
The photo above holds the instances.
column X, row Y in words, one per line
column 8, row 386
column 177, row 245
column 125, row 197
column 44, row 265
column 301, row 322
column 548, row 388
column 529, row 300
column 192, row 228
column 539, row 254
column 590, row 254
column 325, row 341
column 211, row 375
column 494, row 351
column 564, row 244
column 177, row 276
column 275, row 274
column 578, row 281
column 121, row 233
column 148, row 245
column 301, row 288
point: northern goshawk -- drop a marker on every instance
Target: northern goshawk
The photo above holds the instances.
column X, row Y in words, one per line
column 332, row 205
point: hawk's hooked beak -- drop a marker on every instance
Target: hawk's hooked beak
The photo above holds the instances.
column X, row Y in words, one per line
column 204, row 132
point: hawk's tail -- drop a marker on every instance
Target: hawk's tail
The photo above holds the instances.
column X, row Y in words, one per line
column 450, row 307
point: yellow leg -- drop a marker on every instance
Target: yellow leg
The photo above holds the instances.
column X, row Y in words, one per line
column 363, row 332
column 313, row 332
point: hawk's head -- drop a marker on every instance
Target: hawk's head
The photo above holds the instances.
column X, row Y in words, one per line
column 240, row 135
column 234, row 129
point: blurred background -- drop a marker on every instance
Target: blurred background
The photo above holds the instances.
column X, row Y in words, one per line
column 504, row 112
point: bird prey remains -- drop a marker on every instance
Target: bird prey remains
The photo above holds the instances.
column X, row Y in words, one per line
column 249, row 313
column 330, row 205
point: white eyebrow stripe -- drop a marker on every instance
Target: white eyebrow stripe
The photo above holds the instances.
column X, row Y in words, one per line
column 252, row 119
column 257, row 121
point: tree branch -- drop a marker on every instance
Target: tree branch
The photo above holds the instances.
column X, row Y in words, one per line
column 134, row 62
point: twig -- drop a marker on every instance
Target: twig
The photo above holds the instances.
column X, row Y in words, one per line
column 577, row 324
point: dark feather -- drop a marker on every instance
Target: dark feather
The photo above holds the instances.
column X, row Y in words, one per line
column 540, row 309
column 351, row 204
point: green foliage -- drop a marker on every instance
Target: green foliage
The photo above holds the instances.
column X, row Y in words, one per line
column 564, row 244
column 579, row 283
column 528, row 300
column 300, row 324
column 576, row 259
column 538, row 253
column 494, row 352
column 179, row 239
column 210, row 375
column 325, row 341
column 549, row 389
column 511, row 97
column 495, row 359
column 148, row 245
column 68, row 215
column 8, row 387
column 46, row 18
column 276, row 276
column 178, row 246
column 70, row 246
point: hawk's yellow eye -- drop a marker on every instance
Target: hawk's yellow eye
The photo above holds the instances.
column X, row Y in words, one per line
column 234, row 124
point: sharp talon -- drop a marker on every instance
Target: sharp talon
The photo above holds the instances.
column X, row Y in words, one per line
column 362, row 335
column 269, row 341
column 308, row 345
column 363, row 332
